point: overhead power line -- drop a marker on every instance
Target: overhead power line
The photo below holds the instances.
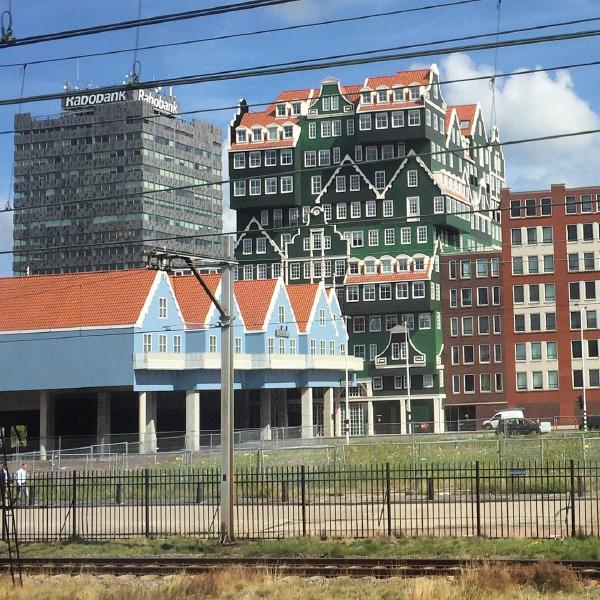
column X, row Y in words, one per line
column 145, row 22
column 314, row 64
column 289, row 172
column 196, row 111
column 242, row 34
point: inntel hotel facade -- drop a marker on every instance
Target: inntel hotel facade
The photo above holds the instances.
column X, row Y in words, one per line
column 113, row 173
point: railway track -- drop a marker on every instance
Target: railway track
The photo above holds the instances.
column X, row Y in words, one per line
column 300, row 566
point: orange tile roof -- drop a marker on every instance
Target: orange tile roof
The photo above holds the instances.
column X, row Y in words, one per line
column 264, row 119
column 254, row 298
column 193, row 300
column 387, row 277
column 302, row 297
column 420, row 76
column 264, row 145
column 73, row 300
column 294, row 95
column 465, row 112
column 390, row 106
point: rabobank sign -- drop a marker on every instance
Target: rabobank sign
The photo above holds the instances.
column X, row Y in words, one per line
column 163, row 104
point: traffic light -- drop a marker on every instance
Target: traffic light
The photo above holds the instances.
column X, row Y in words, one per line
column 580, row 402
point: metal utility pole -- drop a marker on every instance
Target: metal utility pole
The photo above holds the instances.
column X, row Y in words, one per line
column 583, row 395
column 227, row 263
column 347, row 420
column 227, row 398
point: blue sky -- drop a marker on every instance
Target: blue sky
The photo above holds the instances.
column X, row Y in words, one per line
column 527, row 105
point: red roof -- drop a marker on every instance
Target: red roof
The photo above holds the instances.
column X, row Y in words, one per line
column 302, row 298
column 389, row 106
column 254, row 298
column 193, row 300
column 404, row 78
column 294, row 95
column 465, row 112
column 267, row 144
column 73, row 300
column 264, row 119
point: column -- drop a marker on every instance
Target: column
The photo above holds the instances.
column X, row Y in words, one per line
column 46, row 423
column 243, row 409
column 370, row 418
column 328, row 414
column 103, row 417
column 307, row 412
column 338, row 413
column 147, row 422
column 282, row 408
column 438, row 415
column 192, row 420
column 265, row 414
column 403, row 416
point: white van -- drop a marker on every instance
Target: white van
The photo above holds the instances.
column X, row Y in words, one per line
column 492, row 422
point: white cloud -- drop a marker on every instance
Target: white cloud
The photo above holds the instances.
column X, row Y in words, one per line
column 312, row 10
column 533, row 105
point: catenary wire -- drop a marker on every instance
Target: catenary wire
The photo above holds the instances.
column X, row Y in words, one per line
column 257, row 32
column 313, row 64
column 145, row 22
column 301, row 170
column 587, row 64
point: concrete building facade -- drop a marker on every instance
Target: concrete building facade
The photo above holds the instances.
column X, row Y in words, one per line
column 93, row 185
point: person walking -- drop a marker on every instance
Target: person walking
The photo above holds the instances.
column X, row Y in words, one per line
column 21, row 483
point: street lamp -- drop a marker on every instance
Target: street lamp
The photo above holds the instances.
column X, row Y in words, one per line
column 583, row 397
column 347, row 419
column 406, row 331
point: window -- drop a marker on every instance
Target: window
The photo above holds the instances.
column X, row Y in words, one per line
column 355, row 210
column 212, row 343
column 548, row 263
column 356, row 239
column 401, row 291
column 413, row 206
column 515, row 209
column 337, row 128
column 469, row 384
column 324, row 158
column 354, row 183
column 325, row 129
column 456, row 384
column 239, row 188
column 532, row 264
column 468, row 355
column 340, row 183
column 381, row 120
column 530, row 207
column 287, row 184
column 241, row 136
column 519, row 322
column 414, row 118
column 352, row 293
column 438, row 204
column 421, row 235
column 586, row 204
column 517, row 265
column 380, row 180
column 364, row 122
column 312, row 130
column 261, row 245
column 427, row 381
column 162, row 343
column 547, row 235
column 482, row 296
column 454, row 326
column 484, row 324
column 424, row 320
column 373, row 241
column 147, row 342
column 521, row 381
column 466, row 297
column 375, row 322
column 388, row 208
column 398, row 118
column 467, row 325
column 498, row 382
column 574, row 291
column 570, row 205
column 385, row 291
column 485, row 382
column 369, row 292
column 389, row 237
column 270, row 158
column 310, row 158
column 484, row 353
column 349, row 127
column 255, row 159
column 271, row 185
column 515, row 236
column 465, row 269
column 418, row 289
column 162, row 308
column 546, row 206
column 588, row 261
column 239, row 160
column 412, row 178
column 549, row 292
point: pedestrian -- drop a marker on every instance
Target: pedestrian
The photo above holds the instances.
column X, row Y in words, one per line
column 21, row 483
column 3, row 484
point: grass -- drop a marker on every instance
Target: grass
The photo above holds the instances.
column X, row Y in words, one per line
column 541, row 581
column 559, row 549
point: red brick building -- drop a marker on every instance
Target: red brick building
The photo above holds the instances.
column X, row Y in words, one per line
column 550, row 277
column 473, row 337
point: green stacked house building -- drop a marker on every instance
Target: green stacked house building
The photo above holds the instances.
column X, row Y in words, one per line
column 363, row 187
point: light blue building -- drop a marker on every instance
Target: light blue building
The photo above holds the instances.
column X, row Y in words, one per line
column 93, row 355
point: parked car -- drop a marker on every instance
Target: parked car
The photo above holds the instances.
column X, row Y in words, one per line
column 593, row 422
column 518, row 426
column 492, row 423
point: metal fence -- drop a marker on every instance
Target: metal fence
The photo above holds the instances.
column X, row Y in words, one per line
column 520, row 500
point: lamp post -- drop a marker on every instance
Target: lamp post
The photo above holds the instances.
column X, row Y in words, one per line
column 406, row 331
column 347, row 419
column 583, row 396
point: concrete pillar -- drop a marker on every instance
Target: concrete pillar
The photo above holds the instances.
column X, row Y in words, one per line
column 370, row 418
column 438, row 415
column 328, row 414
column 103, row 417
column 337, row 421
column 265, row 413
column 147, row 422
column 307, row 412
column 192, row 420
column 46, row 423
column 243, row 409
column 403, row 416
column 282, row 408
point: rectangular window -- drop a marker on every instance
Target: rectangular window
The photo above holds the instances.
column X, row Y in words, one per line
column 421, row 235
column 380, row 180
column 315, row 184
column 212, row 343
column 364, row 122
column 147, row 342
column 340, row 183
column 414, row 118
column 310, row 158
column 270, row 158
column 398, row 118
column 350, row 127
column 381, row 120
column 413, row 206
column 162, row 343
column 162, row 308
column 389, row 237
column 239, row 160
column 271, row 185
column 412, row 178
column 354, row 183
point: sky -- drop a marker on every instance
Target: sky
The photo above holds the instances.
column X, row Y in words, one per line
column 526, row 105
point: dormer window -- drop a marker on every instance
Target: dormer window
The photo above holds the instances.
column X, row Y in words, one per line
column 288, row 132
column 419, row 264
column 335, row 103
column 370, row 267
column 386, row 265
column 415, row 92
column 281, row 110
column 241, row 136
column 382, row 96
column 326, row 104
column 273, row 133
column 257, row 134
column 296, row 108
column 398, row 95
column 465, row 124
column 365, row 97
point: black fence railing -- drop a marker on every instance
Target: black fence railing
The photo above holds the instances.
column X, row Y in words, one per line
column 520, row 500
